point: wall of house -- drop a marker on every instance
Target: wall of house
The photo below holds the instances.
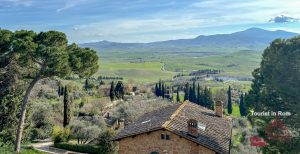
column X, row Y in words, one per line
column 147, row 143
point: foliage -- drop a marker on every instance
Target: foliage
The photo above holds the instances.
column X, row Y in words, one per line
column 42, row 122
column 60, row 134
column 229, row 103
column 44, row 55
column 67, row 107
column 105, row 141
column 84, row 148
column 84, row 131
column 275, row 88
column 119, row 90
column 112, row 91
column 243, row 110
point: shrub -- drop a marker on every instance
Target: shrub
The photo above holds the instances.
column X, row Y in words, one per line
column 84, row 148
column 105, row 141
column 60, row 134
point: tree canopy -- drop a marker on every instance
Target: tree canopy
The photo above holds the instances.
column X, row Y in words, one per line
column 43, row 55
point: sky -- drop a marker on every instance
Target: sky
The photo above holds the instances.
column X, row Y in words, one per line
column 147, row 20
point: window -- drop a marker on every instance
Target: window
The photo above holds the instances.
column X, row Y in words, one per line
column 154, row 152
column 167, row 136
column 162, row 136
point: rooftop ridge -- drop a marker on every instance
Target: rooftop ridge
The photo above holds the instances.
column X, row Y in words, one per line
column 175, row 114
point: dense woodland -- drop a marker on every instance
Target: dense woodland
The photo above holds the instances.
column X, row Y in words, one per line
column 48, row 90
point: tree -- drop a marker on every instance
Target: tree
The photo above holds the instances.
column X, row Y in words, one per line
column 229, row 104
column 45, row 55
column 177, row 96
column 156, row 90
column 163, row 90
column 160, row 88
column 86, row 84
column 276, row 87
column 186, row 91
column 112, row 91
column 243, row 110
column 105, row 140
column 193, row 96
column 84, row 131
column 119, row 90
column 199, row 99
column 67, row 108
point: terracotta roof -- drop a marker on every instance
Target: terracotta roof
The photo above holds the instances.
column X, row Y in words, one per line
column 215, row 136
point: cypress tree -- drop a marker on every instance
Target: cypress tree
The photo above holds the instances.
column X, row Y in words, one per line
column 191, row 94
column 198, row 95
column 177, row 96
column 186, row 91
column 160, row 88
column 67, row 108
column 86, row 85
column 119, row 90
column 243, row 110
column 62, row 91
column 112, row 91
column 194, row 98
column 229, row 104
column 58, row 91
column 156, row 89
column 206, row 98
column 163, row 90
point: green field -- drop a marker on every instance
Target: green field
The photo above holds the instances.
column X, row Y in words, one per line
column 146, row 72
column 146, row 67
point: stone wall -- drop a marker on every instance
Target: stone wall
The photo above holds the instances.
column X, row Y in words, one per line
column 147, row 143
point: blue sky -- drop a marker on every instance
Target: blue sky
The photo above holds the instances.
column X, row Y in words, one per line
column 147, row 20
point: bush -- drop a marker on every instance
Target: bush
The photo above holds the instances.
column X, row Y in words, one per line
column 60, row 134
column 105, row 141
column 84, row 148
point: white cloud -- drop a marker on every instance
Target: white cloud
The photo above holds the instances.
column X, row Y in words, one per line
column 26, row 3
column 70, row 4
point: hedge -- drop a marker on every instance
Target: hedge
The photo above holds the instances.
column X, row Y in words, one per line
column 84, row 148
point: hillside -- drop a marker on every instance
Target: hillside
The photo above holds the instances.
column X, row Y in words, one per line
column 250, row 39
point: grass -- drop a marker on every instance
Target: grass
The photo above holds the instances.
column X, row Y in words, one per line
column 145, row 67
column 24, row 150
column 235, row 110
column 145, row 72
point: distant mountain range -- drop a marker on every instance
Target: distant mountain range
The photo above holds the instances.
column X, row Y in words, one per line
column 250, row 39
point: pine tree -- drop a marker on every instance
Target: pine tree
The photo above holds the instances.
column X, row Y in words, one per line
column 67, row 108
column 243, row 110
column 177, row 96
column 112, row 91
column 229, row 104
column 186, row 91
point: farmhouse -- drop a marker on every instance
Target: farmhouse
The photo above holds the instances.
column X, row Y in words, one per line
column 185, row 128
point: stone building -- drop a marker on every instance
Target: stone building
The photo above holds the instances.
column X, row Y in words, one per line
column 185, row 128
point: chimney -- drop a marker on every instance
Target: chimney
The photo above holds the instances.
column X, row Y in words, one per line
column 193, row 128
column 219, row 108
